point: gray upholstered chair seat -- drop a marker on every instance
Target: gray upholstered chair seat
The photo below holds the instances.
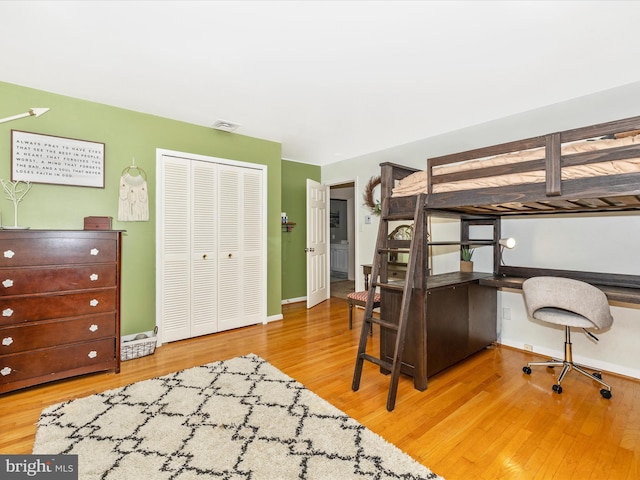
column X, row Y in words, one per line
column 563, row 317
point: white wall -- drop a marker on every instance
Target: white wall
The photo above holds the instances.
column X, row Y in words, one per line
column 591, row 243
column 576, row 242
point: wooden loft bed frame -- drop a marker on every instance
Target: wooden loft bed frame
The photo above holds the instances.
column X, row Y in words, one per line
column 597, row 192
column 442, row 319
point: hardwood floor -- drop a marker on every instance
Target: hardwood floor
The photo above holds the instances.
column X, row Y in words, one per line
column 482, row 419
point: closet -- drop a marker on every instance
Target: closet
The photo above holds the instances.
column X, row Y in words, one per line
column 211, row 261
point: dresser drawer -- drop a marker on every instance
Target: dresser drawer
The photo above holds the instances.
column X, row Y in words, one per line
column 52, row 362
column 56, row 250
column 15, row 310
column 49, row 333
column 56, row 279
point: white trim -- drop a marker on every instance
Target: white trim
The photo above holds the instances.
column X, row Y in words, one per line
column 594, row 363
column 160, row 152
column 293, row 300
column 357, row 272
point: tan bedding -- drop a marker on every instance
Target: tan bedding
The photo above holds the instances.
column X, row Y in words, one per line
column 418, row 182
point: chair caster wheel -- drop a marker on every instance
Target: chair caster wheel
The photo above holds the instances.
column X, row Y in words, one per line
column 527, row 370
column 557, row 389
column 605, row 393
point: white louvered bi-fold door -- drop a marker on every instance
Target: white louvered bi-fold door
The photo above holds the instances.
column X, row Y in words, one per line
column 174, row 275
column 204, row 281
column 240, row 246
column 211, row 276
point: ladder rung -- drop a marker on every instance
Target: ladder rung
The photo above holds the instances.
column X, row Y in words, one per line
column 376, row 360
column 397, row 285
column 397, row 216
column 384, row 323
column 394, row 250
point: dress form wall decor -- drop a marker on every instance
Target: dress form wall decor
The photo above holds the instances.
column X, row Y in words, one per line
column 133, row 204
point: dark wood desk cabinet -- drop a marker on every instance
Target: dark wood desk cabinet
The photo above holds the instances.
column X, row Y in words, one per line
column 59, row 305
column 454, row 318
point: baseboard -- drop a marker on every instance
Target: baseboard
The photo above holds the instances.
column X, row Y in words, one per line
column 599, row 364
column 273, row 318
column 293, row 300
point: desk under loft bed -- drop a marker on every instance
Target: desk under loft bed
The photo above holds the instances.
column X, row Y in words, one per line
column 453, row 315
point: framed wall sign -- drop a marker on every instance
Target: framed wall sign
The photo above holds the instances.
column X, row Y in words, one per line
column 39, row 158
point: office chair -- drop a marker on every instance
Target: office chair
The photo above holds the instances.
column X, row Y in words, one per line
column 571, row 303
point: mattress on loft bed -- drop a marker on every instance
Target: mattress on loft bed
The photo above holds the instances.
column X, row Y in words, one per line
column 419, row 182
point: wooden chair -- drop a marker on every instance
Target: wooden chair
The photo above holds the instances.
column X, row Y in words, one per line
column 360, row 298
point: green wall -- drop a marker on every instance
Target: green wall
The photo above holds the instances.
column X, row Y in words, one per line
column 126, row 135
column 294, row 198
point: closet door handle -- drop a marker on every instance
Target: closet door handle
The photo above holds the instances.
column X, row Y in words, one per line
column 204, row 257
column 230, row 255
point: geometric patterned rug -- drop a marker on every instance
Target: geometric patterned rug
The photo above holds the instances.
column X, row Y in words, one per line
column 236, row 419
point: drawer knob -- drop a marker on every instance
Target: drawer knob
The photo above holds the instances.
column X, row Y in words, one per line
column 94, row 251
column 93, row 328
column 9, row 253
column 92, row 354
column 8, row 283
column 93, row 277
column 5, row 371
column 94, row 303
column 7, row 312
column 6, row 341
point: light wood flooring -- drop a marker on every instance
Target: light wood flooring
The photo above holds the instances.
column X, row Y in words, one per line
column 482, row 419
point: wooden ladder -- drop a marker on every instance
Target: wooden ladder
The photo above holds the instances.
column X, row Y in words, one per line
column 398, row 325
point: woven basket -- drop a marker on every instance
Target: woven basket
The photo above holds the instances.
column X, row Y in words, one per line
column 137, row 348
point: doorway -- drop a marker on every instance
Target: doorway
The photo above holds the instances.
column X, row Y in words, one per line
column 342, row 239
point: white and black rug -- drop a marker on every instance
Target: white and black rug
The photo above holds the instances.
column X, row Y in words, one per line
column 235, row 419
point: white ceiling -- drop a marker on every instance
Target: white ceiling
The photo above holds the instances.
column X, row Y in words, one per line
column 329, row 80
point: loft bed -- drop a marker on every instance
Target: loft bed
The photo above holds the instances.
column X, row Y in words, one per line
column 453, row 315
column 589, row 169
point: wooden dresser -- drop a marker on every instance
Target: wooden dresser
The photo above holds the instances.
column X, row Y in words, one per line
column 59, row 305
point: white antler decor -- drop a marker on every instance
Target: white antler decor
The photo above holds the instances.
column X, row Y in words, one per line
column 15, row 192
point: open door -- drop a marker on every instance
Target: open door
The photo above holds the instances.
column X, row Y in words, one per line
column 317, row 239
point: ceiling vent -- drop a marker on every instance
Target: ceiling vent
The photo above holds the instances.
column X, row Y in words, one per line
column 225, row 125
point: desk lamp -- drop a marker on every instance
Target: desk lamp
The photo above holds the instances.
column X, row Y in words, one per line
column 506, row 243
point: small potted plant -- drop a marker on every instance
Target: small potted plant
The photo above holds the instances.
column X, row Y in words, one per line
column 466, row 254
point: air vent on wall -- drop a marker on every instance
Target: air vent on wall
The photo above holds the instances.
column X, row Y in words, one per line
column 225, row 125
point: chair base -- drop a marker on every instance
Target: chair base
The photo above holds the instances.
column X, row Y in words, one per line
column 567, row 365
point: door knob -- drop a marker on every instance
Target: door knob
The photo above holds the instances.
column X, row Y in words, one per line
column 204, row 257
